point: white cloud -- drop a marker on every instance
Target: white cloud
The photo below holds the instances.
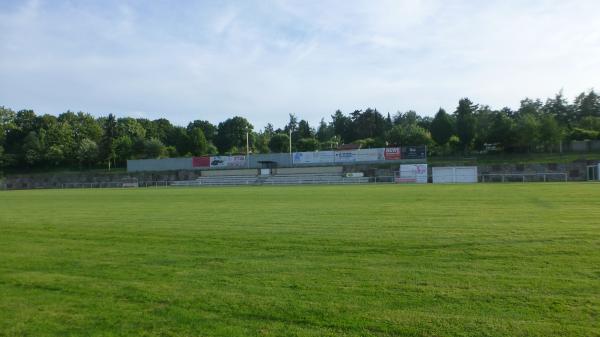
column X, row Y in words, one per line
column 266, row 59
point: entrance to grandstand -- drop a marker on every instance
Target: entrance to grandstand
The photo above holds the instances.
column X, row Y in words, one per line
column 267, row 168
column 593, row 172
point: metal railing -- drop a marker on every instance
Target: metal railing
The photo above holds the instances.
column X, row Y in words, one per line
column 524, row 177
column 115, row 184
column 110, row 184
column 311, row 180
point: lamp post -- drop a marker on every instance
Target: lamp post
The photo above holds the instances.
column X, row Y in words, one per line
column 247, row 149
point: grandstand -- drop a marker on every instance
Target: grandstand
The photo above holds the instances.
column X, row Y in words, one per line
column 277, row 179
column 287, row 179
column 391, row 155
column 318, row 167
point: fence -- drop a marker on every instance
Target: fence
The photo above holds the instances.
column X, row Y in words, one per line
column 524, row 177
column 317, row 179
column 112, row 184
column 237, row 182
column 116, row 184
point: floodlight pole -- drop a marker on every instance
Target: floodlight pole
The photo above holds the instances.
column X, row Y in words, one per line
column 291, row 157
column 247, row 149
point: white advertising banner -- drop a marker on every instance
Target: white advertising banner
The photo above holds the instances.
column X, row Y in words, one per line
column 303, row 158
column 454, row 174
column 227, row 161
column 347, row 156
column 371, row 154
column 467, row 174
column 412, row 173
column 320, row 157
column 442, row 175
column 352, row 156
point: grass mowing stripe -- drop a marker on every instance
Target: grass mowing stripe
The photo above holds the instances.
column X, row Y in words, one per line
column 388, row 260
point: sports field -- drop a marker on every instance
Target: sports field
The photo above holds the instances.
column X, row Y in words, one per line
column 389, row 260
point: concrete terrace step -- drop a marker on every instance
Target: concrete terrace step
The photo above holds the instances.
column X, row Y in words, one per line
column 286, row 179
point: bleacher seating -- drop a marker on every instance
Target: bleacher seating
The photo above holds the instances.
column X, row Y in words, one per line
column 278, row 179
column 218, row 181
column 290, row 179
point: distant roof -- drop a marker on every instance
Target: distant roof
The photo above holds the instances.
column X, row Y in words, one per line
column 349, row 147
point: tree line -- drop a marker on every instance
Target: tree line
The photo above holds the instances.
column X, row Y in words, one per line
column 81, row 140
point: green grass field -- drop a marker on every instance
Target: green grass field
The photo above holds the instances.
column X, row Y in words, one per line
column 388, row 260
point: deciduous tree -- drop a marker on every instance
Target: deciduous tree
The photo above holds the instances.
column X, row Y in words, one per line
column 441, row 127
column 465, row 122
column 280, row 143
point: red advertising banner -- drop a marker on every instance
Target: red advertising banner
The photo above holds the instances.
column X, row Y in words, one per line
column 392, row 153
column 201, row 161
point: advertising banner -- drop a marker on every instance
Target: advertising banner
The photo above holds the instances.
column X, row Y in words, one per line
column 329, row 157
column 203, row 161
column 371, row 154
column 414, row 152
column 466, row 174
column 392, row 153
column 352, row 156
column 321, row 157
column 454, row 174
column 303, row 158
column 412, row 173
column 227, row 161
column 345, row 156
column 237, row 161
column 219, row 161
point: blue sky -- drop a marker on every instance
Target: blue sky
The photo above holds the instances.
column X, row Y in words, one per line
column 187, row 60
